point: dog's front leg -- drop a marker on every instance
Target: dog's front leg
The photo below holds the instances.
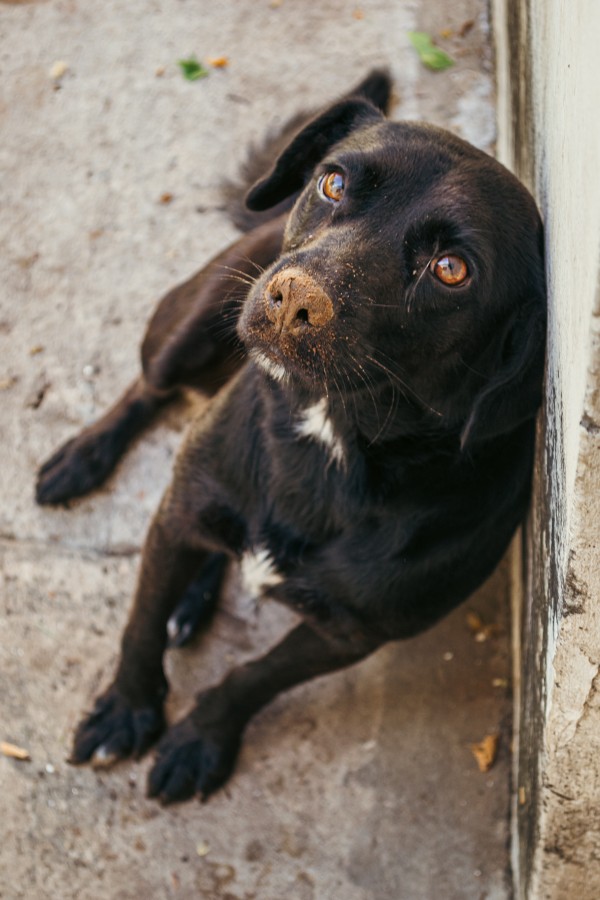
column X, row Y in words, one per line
column 128, row 717
column 198, row 754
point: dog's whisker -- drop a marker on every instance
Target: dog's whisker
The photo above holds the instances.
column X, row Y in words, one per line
column 472, row 369
column 407, row 387
column 229, row 276
column 338, row 373
column 362, row 373
column 415, row 284
column 389, row 417
column 240, row 274
column 252, row 262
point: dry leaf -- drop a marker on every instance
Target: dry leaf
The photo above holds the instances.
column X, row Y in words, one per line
column 14, row 752
column 474, row 622
column 485, row 752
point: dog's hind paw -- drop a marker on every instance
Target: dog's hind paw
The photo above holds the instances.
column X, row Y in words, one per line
column 198, row 603
column 114, row 730
column 193, row 761
column 77, row 467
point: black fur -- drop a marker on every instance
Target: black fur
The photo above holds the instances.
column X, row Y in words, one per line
column 398, row 497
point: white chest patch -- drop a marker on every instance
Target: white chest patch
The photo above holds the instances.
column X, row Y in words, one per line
column 315, row 423
column 258, row 572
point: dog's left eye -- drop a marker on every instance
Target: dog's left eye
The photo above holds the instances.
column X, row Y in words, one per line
column 331, row 186
column 450, row 269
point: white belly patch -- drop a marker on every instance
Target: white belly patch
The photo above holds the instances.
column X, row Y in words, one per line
column 315, row 423
column 258, row 571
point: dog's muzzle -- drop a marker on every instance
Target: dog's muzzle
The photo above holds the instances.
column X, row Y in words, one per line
column 294, row 301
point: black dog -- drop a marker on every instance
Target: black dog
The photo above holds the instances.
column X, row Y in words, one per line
column 372, row 456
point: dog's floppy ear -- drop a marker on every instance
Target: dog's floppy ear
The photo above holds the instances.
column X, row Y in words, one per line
column 514, row 393
column 376, row 87
column 307, row 148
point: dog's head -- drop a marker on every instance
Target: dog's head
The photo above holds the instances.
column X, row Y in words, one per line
column 411, row 272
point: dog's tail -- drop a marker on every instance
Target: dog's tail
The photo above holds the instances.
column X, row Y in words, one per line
column 376, row 87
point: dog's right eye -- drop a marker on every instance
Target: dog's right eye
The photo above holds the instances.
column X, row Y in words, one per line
column 331, row 186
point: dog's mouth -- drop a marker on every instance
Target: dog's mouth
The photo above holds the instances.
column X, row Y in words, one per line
column 270, row 362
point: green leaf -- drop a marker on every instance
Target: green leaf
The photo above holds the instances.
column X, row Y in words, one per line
column 192, row 69
column 430, row 55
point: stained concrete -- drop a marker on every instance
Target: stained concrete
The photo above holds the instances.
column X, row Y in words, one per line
column 359, row 786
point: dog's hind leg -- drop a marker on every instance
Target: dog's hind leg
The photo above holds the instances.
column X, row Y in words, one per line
column 191, row 341
column 86, row 460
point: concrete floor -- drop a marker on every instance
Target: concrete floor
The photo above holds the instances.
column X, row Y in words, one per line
column 360, row 786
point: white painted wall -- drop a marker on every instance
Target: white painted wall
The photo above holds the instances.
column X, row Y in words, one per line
column 557, row 43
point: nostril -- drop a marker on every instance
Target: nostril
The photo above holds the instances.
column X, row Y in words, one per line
column 295, row 301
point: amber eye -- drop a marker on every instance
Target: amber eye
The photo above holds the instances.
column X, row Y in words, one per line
column 450, row 270
column 331, row 186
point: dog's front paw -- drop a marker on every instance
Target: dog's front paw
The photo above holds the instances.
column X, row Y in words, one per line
column 115, row 730
column 193, row 760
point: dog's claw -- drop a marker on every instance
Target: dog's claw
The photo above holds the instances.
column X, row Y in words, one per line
column 114, row 731
column 103, row 759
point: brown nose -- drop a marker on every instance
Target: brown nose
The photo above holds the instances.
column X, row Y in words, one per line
column 295, row 301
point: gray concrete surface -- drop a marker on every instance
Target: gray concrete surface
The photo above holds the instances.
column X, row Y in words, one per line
column 360, row 786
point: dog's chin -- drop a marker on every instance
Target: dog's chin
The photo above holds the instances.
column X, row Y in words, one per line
column 279, row 367
column 271, row 364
